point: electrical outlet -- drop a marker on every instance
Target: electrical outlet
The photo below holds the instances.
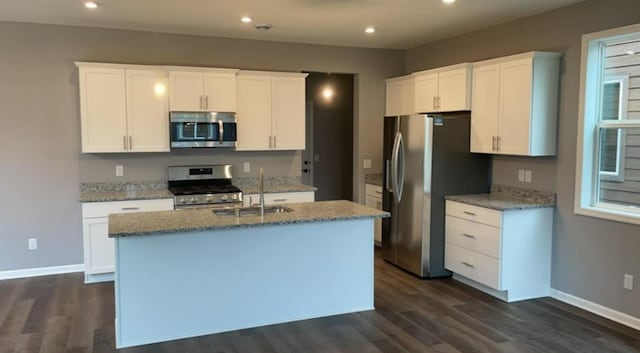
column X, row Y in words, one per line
column 520, row 174
column 246, row 167
column 527, row 176
column 119, row 170
column 33, row 243
column 366, row 164
column 628, row 282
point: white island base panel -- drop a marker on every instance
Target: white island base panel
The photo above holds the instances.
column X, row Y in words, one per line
column 172, row 286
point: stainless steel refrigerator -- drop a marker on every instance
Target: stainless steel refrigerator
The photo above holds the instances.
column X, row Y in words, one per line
column 425, row 158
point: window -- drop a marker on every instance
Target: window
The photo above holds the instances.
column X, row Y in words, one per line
column 608, row 161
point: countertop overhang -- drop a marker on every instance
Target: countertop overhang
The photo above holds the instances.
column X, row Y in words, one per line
column 203, row 219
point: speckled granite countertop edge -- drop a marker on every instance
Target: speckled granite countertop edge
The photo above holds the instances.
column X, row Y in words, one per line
column 505, row 198
column 195, row 220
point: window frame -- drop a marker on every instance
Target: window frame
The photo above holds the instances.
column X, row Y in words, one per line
column 589, row 126
column 623, row 107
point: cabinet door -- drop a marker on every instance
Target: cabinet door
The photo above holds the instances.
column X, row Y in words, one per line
column 103, row 110
column 99, row 248
column 408, row 105
column 288, row 113
column 220, row 92
column 485, row 108
column 254, row 113
column 186, row 91
column 147, row 111
column 453, row 90
column 394, row 98
column 515, row 107
column 426, row 93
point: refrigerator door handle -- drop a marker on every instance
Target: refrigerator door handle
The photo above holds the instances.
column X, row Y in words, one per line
column 400, row 169
column 394, row 167
column 386, row 178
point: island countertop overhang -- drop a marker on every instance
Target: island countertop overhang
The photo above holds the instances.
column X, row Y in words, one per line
column 194, row 220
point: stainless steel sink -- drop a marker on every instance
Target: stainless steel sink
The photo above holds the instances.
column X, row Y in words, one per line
column 250, row 211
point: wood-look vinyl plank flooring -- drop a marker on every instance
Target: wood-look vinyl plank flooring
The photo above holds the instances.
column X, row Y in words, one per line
column 60, row 314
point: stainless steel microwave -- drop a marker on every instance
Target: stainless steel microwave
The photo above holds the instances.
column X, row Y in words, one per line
column 202, row 129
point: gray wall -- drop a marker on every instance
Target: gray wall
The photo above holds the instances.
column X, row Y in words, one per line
column 42, row 166
column 590, row 255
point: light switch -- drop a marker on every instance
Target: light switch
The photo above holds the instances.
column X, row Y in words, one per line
column 366, row 164
column 119, row 170
column 246, row 167
column 527, row 176
column 521, row 175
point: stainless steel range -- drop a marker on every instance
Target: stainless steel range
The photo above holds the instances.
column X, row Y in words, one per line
column 203, row 186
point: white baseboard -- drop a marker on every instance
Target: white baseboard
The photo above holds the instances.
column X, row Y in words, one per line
column 597, row 309
column 41, row 271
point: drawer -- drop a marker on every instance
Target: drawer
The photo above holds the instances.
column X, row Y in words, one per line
column 103, row 209
column 373, row 190
column 473, row 236
column 474, row 213
column 478, row 267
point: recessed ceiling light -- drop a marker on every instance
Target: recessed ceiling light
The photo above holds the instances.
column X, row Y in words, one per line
column 246, row 19
column 448, row 1
column 90, row 5
column 630, row 52
column 370, row 30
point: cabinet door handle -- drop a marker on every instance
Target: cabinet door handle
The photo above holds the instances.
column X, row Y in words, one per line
column 439, row 102
column 275, row 144
column 270, row 141
column 378, row 192
column 130, row 208
column 469, row 236
column 130, row 142
column 493, row 143
column 469, row 213
column 124, row 142
column 498, row 144
column 206, row 102
column 280, row 200
column 467, row 264
column 435, row 105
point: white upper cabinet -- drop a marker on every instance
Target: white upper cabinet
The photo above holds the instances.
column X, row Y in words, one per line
column 399, row 97
column 514, row 105
column 444, row 89
column 271, row 111
column 147, row 111
column 123, row 108
column 103, row 109
column 202, row 89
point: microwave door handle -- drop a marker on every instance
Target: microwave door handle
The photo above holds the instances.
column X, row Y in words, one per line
column 221, row 131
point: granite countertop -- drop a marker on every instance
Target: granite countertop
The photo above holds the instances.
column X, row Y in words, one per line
column 124, row 191
column 373, row 178
column 504, row 198
column 203, row 219
column 275, row 188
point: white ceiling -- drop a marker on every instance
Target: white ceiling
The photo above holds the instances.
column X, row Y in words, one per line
column 401, row 24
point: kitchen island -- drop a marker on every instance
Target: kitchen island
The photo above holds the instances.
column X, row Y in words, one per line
column 191, row 272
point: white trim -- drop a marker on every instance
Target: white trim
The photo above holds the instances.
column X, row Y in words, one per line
column 41, row 271
column 597, row 309
column 609, row 213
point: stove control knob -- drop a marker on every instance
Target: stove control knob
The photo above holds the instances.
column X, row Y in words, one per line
column 193, row 200
column 224, row 197
column 234, row 197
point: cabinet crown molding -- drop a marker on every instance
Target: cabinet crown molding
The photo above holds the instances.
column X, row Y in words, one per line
column 442, row 69
column 272, row 73
column 527, row 55
column 85, row 64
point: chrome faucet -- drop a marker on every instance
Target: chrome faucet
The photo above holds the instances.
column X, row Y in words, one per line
column 261, row 187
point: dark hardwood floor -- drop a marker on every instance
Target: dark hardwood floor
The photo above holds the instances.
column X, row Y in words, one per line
column 61, row 314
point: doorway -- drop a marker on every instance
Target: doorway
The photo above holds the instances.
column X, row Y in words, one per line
column 328, row 160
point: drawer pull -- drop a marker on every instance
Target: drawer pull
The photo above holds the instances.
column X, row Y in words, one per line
column 130, row 208
column 378, row 192
column 470, row 213
column 279, row 200
column 469, row 236
column 467, row 264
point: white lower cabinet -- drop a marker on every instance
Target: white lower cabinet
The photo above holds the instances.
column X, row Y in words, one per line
column 279, row 198
column 99, row 253
column 504, row 253
column 373, row 199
